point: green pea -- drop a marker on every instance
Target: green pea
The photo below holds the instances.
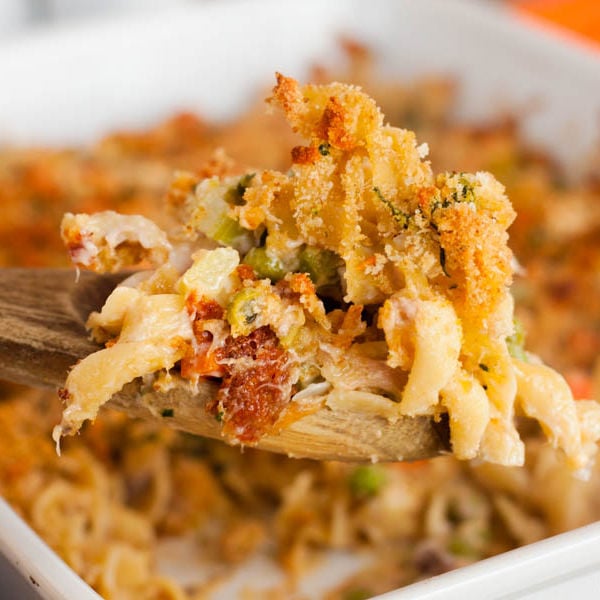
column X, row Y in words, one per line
column 264, row 264
column 321, row 265
column 366, row 480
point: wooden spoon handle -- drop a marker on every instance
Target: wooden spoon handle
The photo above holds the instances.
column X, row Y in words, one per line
column 42, row 322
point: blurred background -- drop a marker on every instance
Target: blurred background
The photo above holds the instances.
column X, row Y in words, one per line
column 19, row 15
column 579, row 19
column 575, row 18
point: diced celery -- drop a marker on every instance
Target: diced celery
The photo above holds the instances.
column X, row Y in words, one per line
column 235, row 194
column 265, row 265
column 516, row 342
column 321, row 265
column 243, row 311
column 212, row 217
column 229, row 232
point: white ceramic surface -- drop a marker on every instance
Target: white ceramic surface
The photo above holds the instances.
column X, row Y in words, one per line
column 42, row 572
column 567, row 565
column 73, row 83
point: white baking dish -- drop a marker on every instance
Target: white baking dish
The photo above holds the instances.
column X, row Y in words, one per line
column 73, row 83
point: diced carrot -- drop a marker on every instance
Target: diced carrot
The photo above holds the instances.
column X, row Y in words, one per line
column 201, row 364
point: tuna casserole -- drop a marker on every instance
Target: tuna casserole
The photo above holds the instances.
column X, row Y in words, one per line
column 121, row 486
column 358, row 277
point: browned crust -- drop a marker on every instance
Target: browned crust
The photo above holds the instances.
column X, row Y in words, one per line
column 333, row 125
column 305, row 155
column 256, row 385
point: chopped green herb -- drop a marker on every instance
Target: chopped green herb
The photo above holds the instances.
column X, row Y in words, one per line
column 167, row 412
column 265, row 265
column 484, row 367
column 366, row 480
column 219, row 416
column 399, row 216
column 464, row 192
column 468, row 191
column 324, row 149
column 235, row 194
column 440, row 204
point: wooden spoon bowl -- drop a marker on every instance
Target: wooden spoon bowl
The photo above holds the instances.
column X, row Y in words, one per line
column 42, row 334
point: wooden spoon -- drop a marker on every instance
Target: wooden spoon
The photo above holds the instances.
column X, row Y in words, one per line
column 42, row 334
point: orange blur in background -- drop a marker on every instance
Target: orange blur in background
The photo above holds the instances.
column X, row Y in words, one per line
column 581, row 17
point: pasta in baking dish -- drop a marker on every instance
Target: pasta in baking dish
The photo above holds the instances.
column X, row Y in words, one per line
column 358, row 270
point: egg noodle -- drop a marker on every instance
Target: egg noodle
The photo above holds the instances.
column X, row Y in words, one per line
column 122, row 487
